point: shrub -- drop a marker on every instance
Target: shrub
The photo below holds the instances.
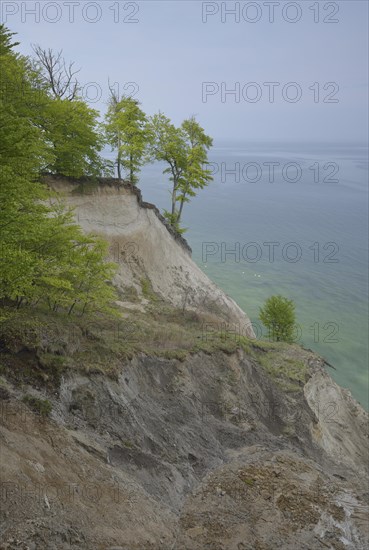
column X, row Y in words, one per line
column 278, row 315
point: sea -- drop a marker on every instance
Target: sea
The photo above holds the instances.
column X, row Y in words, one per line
column 288, row 219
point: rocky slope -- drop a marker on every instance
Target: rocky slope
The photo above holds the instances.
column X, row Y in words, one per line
column 169, row 437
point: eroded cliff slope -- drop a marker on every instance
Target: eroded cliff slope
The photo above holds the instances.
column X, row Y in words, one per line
column 145, row 248
column 152, row 432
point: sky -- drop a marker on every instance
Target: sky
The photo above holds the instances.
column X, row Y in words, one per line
column 250, row 71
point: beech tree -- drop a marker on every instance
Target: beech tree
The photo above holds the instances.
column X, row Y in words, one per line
column 44, row 256
column 69, row 124
column 196, row 174
column 184, row 149
column 168, row 145
column 57, row 74
column 5, row 40
column 72, row 129
column 126, row 131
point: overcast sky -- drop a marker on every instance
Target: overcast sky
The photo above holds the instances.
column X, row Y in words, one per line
column 185, row 57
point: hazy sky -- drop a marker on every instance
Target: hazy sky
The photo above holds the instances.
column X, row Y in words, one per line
column 185, row 57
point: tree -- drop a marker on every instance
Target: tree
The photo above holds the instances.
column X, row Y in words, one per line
column 278, row 315
column 168, row 145
column 184, row 149
column 127, row 131
column 44, row 257
column 72, row 129
column 22, row 152
column 74, row 275
column 196, row 175
column 5, row 40
column 57, row 74
column 70, row 126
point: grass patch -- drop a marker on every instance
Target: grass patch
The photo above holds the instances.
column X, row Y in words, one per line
column 100, row 343
column 40, row 345
column 265, row 346
column 130, row 294
column 248, row 480
column 223, row 341
column 41, row 407
column 289, row 431
column 179, row 354
column 289, row 372
column 147, row 291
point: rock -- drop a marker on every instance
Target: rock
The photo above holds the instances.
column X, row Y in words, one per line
column 4, row 393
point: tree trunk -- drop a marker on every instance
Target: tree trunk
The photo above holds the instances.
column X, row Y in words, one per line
column 174, row 197
column 71, row 308
column 84, row 309
column 180, row 209
column 131, row 169
column 119, row 169
column 119, row 157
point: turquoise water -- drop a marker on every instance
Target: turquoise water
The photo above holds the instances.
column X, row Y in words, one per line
column 324, row 214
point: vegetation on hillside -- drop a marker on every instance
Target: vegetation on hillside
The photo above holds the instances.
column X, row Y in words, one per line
column 278, row 315
column 47, row 264
column 45, row 257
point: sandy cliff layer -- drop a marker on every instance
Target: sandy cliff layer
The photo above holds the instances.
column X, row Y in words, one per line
column 144, row 247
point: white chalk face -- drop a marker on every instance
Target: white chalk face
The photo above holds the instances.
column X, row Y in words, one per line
column 108, row 212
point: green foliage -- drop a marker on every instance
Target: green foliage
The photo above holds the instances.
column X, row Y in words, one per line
column 127, row 131
column 172, row 219
column 196, row 174
column 278, row 315
column 44, row 257
column 5, row 40
column 184, row 150
column 290, row 373
column 71, row 128
column 168, row 145
column 147, row 290
column 249, row 481
column 77, row 275
column 23, row 149
column 42, row 407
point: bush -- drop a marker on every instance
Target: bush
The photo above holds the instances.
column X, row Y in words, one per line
column 278, row 315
